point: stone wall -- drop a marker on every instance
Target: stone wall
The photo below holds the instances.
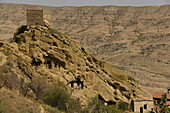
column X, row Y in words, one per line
column 35, row 17
column 141, row 104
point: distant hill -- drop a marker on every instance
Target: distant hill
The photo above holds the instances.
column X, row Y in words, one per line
column 133, row 39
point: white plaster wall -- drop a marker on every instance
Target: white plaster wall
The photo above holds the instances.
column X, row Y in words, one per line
column 139, row 104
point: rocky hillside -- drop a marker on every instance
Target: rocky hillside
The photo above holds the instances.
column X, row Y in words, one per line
column 39, row 53
column 134, row 39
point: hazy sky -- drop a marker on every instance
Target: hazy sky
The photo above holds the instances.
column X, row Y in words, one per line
column 90, row 2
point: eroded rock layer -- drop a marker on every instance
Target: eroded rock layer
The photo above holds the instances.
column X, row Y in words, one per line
column 45, row 52
column 134, row 39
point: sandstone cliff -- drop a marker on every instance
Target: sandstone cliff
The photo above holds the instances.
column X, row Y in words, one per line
column 134, row 39
column 39, row 51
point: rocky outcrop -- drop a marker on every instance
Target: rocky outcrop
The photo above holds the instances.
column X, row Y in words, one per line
column 38, row 51
column 134, row 39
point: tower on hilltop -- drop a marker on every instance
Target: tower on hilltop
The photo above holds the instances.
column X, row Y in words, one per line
column 35, row 17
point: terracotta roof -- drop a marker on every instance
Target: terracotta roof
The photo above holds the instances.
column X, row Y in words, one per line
column 159, row 95
column 168, row 103
column 142, row 98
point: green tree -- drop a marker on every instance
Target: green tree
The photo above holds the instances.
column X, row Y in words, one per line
column 58, row 96
column 123, row 105
column 97, row 106
column 162, row 103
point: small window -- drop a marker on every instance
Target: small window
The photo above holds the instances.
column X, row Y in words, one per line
column 145, row 106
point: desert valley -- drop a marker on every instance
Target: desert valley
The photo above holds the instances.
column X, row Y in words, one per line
column 117, row 53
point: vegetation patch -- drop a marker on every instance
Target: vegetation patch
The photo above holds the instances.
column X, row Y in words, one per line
column 58, row 96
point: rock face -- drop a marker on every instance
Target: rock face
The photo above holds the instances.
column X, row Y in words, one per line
column 45, row 52
column 134, row 39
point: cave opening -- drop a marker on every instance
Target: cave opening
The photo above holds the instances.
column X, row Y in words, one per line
column 36, row 63
column 106, row 102
column 77, row 83
column 49, row 64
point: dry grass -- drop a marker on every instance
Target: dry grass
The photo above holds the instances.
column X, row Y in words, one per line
column 13, row 102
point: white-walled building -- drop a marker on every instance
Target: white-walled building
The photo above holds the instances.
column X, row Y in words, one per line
column 142, row 105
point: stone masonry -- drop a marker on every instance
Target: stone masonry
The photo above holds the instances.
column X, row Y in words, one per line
column 35, row 17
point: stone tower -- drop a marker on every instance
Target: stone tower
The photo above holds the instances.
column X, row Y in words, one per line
column 35, row 17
